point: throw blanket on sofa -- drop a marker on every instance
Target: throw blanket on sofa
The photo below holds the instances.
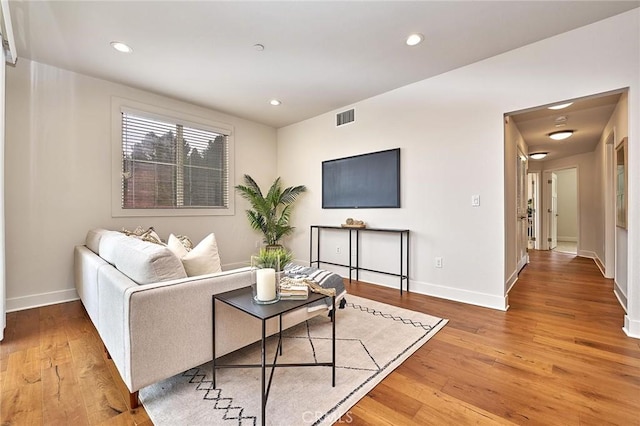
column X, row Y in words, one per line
column 324, row 279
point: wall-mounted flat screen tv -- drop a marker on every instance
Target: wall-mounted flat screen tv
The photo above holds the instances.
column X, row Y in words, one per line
column 363, row 181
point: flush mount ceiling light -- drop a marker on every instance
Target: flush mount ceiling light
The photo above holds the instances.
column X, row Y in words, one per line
column 414, row 39
column 561, row 106
column 537, row 155
column 121, row 47
column 275, row 102
column 562, row 134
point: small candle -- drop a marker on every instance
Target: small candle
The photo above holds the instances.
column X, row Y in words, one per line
column 266, row 284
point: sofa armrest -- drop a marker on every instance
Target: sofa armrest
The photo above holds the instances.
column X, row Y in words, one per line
column 86, row 267
column 112, row 317
column 169, row 324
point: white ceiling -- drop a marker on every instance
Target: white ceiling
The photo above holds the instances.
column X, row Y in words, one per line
column 587, row 117
column 318, row 56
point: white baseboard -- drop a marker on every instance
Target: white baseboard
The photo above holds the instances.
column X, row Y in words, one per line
column 460, row 295
column 600, row 265
column 568, row 239
column 511, row 281
column 631, row 327
column 622, row 298
column 42, row 299
column 596, row 259
column 587, row 253
column 455, row 294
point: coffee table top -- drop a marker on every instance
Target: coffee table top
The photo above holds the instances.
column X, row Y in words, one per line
column 242, row 299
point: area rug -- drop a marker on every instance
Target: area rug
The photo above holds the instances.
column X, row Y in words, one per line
column 372, row 339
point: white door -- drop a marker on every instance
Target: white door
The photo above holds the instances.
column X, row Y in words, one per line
column 521, row 210
column 533, row 221
column 553, row 213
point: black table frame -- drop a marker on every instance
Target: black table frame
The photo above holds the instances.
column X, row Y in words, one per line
column 404, row 244
column 242, row 299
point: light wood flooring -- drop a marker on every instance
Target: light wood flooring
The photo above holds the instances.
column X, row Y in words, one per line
column 557, row 357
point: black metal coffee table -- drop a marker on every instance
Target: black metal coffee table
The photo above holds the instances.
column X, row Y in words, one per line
column 242, row 299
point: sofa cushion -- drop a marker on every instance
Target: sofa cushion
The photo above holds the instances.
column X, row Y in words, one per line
column 92, row 241
column 142, row 261
column 202, row 259
column 146, row 262
column 109, row 245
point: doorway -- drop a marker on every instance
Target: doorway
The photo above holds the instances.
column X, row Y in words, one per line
column 561, row 149
column 562, row 210
column 533, row 211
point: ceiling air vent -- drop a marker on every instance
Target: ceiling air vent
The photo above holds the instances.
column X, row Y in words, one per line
column 345, row 117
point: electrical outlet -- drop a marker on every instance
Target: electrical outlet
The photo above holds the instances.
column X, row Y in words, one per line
column 438, row 262
column 338, row 250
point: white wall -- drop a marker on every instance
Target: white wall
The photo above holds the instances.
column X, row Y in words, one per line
column 3, row 301
column 58, row 178
column 618, row 125
column 450, row 130
column 568, row 205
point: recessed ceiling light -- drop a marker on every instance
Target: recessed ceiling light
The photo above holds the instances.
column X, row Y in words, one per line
column 275, row 102
column 561, row 106
column 258, row 47
column 562, row 134
column 121, row 47
column 415, row 39
column 537, row 155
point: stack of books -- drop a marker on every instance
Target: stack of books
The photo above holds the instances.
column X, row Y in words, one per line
column 293, row 291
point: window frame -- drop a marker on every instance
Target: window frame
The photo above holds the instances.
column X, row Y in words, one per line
column 119, row 105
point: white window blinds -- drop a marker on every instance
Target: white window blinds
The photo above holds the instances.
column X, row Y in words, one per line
column 169, row 165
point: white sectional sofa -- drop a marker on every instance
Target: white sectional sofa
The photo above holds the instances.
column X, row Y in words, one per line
column 153, row 319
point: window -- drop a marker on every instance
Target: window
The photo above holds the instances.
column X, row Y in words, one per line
column 170, row 166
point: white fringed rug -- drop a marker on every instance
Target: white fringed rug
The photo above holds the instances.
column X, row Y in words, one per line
column 372, row 339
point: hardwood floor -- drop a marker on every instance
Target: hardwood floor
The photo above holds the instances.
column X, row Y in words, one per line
column 557, row 357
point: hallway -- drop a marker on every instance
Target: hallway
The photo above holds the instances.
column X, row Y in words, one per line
column 558, row 356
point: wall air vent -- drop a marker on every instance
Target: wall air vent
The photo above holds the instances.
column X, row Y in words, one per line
column 345, row 117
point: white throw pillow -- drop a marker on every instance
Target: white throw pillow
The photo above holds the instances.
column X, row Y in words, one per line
column 201, row 260
column 175, row 245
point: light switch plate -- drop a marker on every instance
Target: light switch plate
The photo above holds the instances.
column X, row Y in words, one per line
column 475, row 200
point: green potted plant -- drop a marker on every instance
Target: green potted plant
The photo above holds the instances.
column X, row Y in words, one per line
column 270, row 213
column 270, row 257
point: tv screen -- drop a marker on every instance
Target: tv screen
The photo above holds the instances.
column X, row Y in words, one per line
column 363, row 181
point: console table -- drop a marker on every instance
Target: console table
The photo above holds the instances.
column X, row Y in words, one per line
column 404, row 245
